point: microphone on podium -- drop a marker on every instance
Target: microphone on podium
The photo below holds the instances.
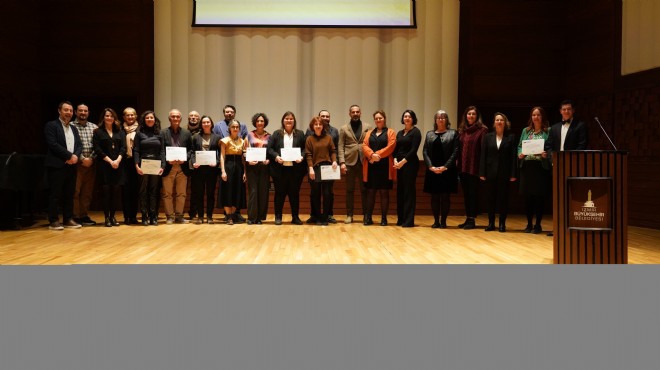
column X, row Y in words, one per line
column 605, row 132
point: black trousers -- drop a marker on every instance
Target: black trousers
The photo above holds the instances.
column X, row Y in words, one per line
column 203, row 182
column 149, row 193
column 130, row 189
column 470, row 186
column 258, row 181
column 406, row 193
column 321, row 190
column 287, row 185
column 331, row 199
column 62, row 184
column 497, row 191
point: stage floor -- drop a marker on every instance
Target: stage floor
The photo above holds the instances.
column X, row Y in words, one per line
column 290, row 244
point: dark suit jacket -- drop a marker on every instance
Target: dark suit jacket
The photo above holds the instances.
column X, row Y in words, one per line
column 56, row 142
column 449, row 147
column 498, row 163
column 196, row 144
column 185, row 140
column 576, row 137
column 276, row 143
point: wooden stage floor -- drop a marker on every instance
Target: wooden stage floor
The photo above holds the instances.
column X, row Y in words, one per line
column 290, row 244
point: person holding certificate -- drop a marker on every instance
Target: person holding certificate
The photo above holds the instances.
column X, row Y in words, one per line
column 407, row 163
column 471, row 133
column 534, row 168
column 287, row 167
column 149, row 157
column 258, row 178
column 204, row 159
column 232, row 163
column 320, row 151
column 441, row 179
column 497, row 167
column 378, row 172
column 110, row 147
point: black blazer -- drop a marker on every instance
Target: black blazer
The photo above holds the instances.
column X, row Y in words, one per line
column 57, row 152
column 196, row 144
column 450, row 146
column 500, row 161
column 185, row 140
column 576, row 137
column 276, row 143
column 112, row 147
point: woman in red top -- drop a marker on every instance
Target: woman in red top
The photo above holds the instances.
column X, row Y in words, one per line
column 471, row 133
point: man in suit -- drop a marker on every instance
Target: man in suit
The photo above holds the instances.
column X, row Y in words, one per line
column 351, row 136
column 569, row 134
column 175, row 176
column 64, row 149
column 334, row 133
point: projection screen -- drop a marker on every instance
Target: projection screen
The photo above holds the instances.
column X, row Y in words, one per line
column 304, row 13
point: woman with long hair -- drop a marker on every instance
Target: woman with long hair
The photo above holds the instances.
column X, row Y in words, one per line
column 378, row 172
column 149, row 146
column 471, row 132
column 110, row 147
column 204, row 177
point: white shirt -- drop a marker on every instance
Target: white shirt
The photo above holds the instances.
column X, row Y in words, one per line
column 564, row 131
column 68, row 135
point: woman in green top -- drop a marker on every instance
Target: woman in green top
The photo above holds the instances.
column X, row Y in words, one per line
column 535, row 170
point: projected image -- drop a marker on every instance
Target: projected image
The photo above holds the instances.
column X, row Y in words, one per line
column 304, row 13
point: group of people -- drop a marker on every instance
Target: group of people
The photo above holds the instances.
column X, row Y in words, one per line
column 148, row 165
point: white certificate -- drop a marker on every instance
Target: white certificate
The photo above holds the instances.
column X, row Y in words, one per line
column 290, row 154
column 205, row 157
column 530, row 147
column 150, row 166
column 175, row 153
column 327, row 173
column 255, row 154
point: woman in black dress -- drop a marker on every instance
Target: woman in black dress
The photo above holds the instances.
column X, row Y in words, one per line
column 378, row 172
column 497, row 167
column 110, row 146
column 149, row 146
column 407, row 164
column 232, row 165
column 441, row 178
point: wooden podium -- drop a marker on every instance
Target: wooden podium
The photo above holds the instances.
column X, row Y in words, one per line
column 590, row 207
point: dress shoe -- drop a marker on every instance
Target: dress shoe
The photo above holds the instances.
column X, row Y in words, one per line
column 55, row 225
column 443, row 225
column 383, row 221
column 169, row 220
column 528, row 229
column 86, row 221
column 348, row 219
column 537, row 229
column 502, row 228
column 209, row 220
column 469, row 224
column 180, row 220
column 238, row 218
column 296, row 220
column 199, row 221
column 332, row 220
column 367, row 220
column 490, row 227
column 460, row 226
column 71, row 224
column 153, row 219
column 145, row 220
column 249, row 222
column 107, row 222
column 436, row 225
column 278, row 220
column 113, row 221
column 311, row 220
column 408, row 225
column 257, row 222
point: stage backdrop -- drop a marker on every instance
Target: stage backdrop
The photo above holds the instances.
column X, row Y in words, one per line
column 304, row 70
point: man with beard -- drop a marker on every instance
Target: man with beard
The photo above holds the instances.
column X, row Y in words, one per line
column 86, row 167
column 351, row 136
column 193, row 122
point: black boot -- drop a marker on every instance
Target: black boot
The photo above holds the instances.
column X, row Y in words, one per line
column 383, row 220
column 502, row 224
column 107, row 222
column 491, row 223
column 145, row 219
column 467, row 219
column 469, row 224
column 367, row 220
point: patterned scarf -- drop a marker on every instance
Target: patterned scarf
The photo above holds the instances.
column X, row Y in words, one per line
column 130, row 137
